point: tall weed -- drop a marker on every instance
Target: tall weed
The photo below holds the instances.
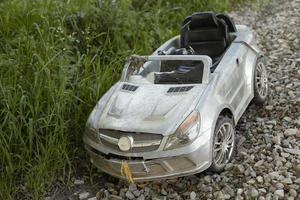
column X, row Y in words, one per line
column 57, row 57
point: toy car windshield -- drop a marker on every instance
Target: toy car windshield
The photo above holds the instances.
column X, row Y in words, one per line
column 166, row 69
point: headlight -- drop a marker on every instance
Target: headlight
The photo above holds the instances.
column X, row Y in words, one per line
column 185, row 133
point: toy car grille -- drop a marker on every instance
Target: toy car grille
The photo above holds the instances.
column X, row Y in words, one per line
column 131, row 88
column 137, row 137
column 179, row 89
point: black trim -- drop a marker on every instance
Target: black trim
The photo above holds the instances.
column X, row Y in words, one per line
column 131, row 88
column 179, row 89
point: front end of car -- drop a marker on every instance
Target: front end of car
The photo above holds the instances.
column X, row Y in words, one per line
column 166, row 142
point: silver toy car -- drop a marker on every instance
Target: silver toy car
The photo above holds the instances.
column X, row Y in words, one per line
column 173, row 113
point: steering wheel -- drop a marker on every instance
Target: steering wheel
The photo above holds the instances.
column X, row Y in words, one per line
column 190, row 50
column 160, row 52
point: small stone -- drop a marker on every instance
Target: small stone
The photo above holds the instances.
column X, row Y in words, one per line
column 287, row 181
column 268, row 138
column 260, row 179
column 259, row 163
column 291, row 132
column 262, row 190
column 254, row 193
column 269, row 107
column 250, row 171
column 251, row 181
column 136, row 193
column 220, row 195
column 240, row 142
column 228, row 166
column 207, row 179
column 288, row 119
column 228, row 190
column 73, row 197
column 141, row 197
column 129, row 195
column 292, row 151
column 258, row 119
column 293, row 193
column 269, row 196
column 276, row 139
column 292, row 94
column 180, row 187
column 278, row 88
column 193, row 195
column 95, row 198
column 274, row 175
column 285, row 155
column 164, row 192
column 122, row 192
column 84, row 195
column 240, row 169
column 272, row 122
column 239, row 191
column 115, row 197
column 279, row 186
column 297, row 180
column 172, row 196
column 279, row 193
column 132, row 187
column 298, row 121
column 146, row 191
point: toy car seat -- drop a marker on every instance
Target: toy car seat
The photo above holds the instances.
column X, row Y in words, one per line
column 208, row 34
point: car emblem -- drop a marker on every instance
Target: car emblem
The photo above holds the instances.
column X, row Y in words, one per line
column 125, row 143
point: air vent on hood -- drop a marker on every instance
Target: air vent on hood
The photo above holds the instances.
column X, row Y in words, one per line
column 131, row 88
column 179, row 89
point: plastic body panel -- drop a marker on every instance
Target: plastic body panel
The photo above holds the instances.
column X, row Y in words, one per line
column 230, row 86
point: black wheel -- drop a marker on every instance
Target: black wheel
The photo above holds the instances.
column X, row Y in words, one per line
column 261, row 87
column 223, row 143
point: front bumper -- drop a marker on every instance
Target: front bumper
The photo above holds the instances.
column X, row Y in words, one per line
column 161, row 166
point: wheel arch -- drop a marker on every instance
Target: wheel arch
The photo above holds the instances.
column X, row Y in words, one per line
column 227, row 112
column 224, row 110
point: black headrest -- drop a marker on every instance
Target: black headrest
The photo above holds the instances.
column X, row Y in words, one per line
column 228, row 21
column 205, row 19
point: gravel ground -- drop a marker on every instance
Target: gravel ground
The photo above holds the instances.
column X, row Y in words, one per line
column 267, row 164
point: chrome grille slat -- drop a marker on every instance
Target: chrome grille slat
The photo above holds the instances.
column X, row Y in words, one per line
column 142, row 143
column 108, row 138
column 146, row 143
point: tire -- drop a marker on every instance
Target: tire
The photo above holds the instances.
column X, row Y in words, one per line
column 218, row 163
column 260, row 82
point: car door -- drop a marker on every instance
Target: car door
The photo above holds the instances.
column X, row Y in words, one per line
column 240, row 96
column 232, row 82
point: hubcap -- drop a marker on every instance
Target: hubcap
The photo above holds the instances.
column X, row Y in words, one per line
column 223, row 144
column 261, row 80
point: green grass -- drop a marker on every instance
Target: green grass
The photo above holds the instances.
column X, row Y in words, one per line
column 57, row 57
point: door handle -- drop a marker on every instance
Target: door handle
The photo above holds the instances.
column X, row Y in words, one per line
column 239, row 61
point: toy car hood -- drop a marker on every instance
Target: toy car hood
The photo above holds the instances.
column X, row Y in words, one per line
column 145, row 108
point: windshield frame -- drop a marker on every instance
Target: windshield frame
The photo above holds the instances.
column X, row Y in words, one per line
column 207, row 63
